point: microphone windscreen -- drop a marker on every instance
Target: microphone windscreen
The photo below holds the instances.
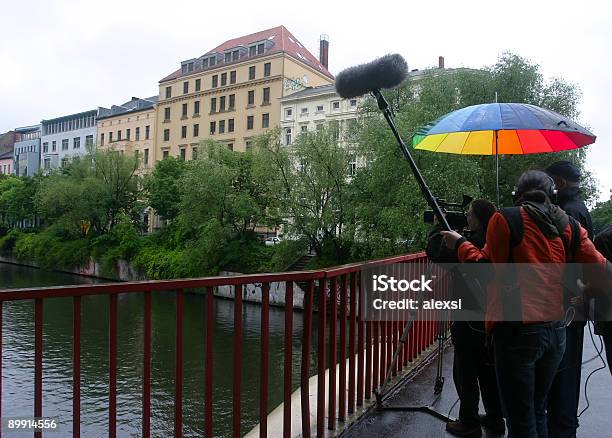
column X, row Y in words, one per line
column 386, row 72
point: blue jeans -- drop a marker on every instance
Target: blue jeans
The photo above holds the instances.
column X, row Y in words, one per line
column 527, row 357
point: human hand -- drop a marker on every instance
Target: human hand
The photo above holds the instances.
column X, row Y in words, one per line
column 450, row 238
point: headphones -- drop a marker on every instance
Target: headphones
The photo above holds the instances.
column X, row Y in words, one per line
column 551, row 192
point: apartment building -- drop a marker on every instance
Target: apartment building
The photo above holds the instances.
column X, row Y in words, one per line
column 7, row 162
column 129, row 128
column 66, row 137
column 232, row 93
column 26, row 152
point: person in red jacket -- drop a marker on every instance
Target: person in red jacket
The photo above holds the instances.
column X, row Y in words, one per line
column 528, row 350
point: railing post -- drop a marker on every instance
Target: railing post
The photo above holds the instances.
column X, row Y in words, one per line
column 146, row 368
column 112, row 368
column 306, row 345
column 237, row 359
column 265, row 355
column 38, row 340
column 208, row 383
column 352, row 338
column 178, row 367
column 288, row 358
column 76, row 366
column 321, row 358
column 333, row 318
column 342, row 360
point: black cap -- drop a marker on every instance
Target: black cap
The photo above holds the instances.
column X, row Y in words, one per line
column 564, row 169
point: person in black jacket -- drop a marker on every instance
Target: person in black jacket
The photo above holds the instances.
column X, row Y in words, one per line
column 472, row 363
column 603, row 243
column 564, row 395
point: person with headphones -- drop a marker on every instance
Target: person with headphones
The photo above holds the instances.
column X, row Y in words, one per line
column 528, row 349
column 564, row 395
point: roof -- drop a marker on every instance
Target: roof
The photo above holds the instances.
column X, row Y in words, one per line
column 282, row 41
column 83, row 113
column 25, row 129
column 311, row 91
column 7, row 154
column 133, row 105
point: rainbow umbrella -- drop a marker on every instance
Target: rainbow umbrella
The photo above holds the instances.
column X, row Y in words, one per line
column 502, row 128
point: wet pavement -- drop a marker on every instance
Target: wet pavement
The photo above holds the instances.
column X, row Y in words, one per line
column 596, row 421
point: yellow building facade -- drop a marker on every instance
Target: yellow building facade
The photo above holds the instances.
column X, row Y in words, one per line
column 129, row 128
column 232, row 93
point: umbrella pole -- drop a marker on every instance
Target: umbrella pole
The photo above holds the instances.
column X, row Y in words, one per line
column 496, row 169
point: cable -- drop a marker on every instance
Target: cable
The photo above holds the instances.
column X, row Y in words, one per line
column 599, row 351
column 450, row 411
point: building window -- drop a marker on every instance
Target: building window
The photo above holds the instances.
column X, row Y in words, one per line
column 252, row 50
column 196, row 108
column 198, row 84
column 183, row 154
column 260, row 48
column 232, row 102
column 266, row 96
column 165, row 154
column 196, row 130
column 127, row 134
column 336, row 105
column 221, row 126
column 265, row 120
column 137, row 134
column 233, row 77
column 223, row 79
column 267, row 69
column 119, row 135
column 53, row 146
column 184, row 112
column 222, row 104
column 166, row 135
column 288, row 136
column 64, row 162
column 230, row 125
column 110, row 137
column 304, row 128
column 145, row 159
column 215, row 81
column 304, row 112
column 251, row 73
column 167, row 114
column 352, row 166
column 353, row 103
column 213, row 128
column 89, row 141
column 319, row 126
column 194, row 153
column 65, row 144
column 235, row 55
column 45, row 147
column 183, row 131
column 319, row 108
column 230, row 146
column 147, row 132
column 213, row 104
column 185, row 87
column 47, row 163
column 228, row 57
column 289, row 113
column 251, row 97
column 248, row 145
column 168, row 92
column 249, row 122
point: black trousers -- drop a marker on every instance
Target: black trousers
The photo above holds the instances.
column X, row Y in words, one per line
column 474, row 372
column 564, row 394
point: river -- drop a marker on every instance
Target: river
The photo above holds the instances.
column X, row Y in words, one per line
column 18, row 359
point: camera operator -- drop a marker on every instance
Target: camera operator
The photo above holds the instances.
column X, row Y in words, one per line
column 564, row 395
column 472, row 361
column 528, row 352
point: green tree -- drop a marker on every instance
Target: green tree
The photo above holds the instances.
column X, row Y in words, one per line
column 163, row 188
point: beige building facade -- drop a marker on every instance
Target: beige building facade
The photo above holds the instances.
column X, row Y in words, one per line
column 129, row 128
column 232, row 93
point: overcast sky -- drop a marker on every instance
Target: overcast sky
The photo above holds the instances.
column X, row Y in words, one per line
column 62, row 57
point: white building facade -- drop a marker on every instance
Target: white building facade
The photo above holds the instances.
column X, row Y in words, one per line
column 66, row 137
column 312, row 108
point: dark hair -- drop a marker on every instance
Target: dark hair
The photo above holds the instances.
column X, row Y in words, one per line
column 534, row 185
column 483, row 210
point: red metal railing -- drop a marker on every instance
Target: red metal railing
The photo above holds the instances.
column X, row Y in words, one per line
column 342, row 335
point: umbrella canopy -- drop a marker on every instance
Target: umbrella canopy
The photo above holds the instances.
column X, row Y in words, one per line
column 502, row 128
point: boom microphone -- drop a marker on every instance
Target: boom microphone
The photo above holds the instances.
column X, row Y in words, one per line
column 386, row 72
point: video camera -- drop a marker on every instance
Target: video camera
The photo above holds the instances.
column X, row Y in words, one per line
column 455, row 213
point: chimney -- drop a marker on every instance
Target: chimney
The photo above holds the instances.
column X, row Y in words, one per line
column 324, row 50
column 440, row 61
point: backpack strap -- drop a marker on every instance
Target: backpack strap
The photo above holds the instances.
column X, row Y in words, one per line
column 515, row 223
